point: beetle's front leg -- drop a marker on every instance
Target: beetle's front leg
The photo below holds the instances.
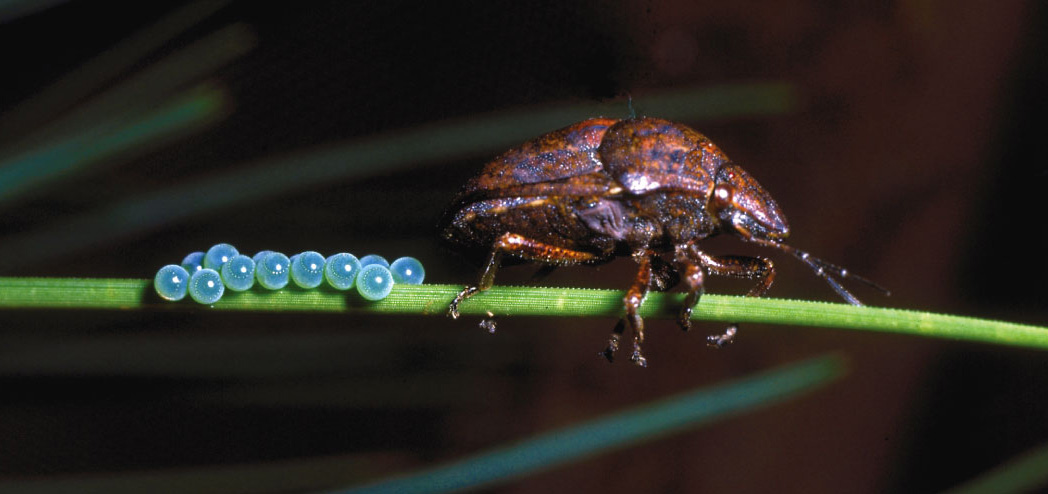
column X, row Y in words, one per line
column 524, row 248
column 758, row 268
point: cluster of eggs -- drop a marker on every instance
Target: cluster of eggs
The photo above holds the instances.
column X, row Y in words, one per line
column 206, row 276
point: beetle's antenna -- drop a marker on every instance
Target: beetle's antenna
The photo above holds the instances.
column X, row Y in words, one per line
column 827, row 271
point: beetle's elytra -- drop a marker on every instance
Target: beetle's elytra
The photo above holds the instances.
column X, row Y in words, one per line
column 641, row 187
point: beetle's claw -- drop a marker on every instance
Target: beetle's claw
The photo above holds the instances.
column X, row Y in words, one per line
column 613, row 346
column 684, row 321
column 722, row 340
column 453, row 310
column 637, row 357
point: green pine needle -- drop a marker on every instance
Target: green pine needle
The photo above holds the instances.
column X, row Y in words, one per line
column 138, row 294
column 1027, row 472
column 615, row 431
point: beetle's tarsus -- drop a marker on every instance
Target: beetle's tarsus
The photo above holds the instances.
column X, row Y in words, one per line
column 613, row 340
column 488, row 325
column 722, row 340
column 467, row 292
column 684, row 320
column 638, row 357
column 613, row 347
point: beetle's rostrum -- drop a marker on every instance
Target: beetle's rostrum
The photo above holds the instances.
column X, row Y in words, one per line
column 640, row 187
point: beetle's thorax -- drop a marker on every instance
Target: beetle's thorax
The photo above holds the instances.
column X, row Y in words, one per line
column 665, row 170
column 677, row 218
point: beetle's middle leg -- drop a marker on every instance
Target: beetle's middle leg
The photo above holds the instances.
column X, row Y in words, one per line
column 754, row 268
column 633, row 299
column 524, row 248
column 692, row 271
column 663, row 277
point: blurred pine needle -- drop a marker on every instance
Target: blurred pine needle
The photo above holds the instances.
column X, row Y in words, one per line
column 362, row 158
column 646, row 422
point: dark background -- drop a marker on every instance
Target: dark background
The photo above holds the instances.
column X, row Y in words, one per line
column 914, row 156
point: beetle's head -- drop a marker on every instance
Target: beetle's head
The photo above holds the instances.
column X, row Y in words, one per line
column 743, row 207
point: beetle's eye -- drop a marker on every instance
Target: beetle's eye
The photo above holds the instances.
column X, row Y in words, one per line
column 722, row 195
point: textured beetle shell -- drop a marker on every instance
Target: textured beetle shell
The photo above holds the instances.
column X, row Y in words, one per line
column 561, row 154
column 592, row 184
column 650, row 154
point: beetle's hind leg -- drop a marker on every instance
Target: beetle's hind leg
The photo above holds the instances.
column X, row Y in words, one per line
column 487, row 278
column 754, row 268
column 524, row 248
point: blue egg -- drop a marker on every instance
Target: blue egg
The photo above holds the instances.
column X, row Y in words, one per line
column 218, row 255
column 193, row 262
column 272, row 273
column 407, row 270
column 307, row 269
column 171, row 282
column 258, row 257
column 239, row 273
column 205, row 286
column 340, row 270
column 374, row 282
column 374, row 259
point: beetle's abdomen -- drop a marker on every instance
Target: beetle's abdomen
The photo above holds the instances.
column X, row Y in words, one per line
column 541, row 218
column 564, row 153
column 646, row 154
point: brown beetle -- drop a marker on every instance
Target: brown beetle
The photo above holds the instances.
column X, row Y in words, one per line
column 641, row 187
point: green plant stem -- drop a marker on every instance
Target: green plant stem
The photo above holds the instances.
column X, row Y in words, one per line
column 138, row 294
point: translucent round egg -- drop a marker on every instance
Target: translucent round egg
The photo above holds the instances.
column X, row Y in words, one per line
column 205, row 286
column 272, row 272
column 374, row 282
column 307, row 269
column 171, row 282
column 374, row 259
column 407, row 270
column 218, row 255
column 239, row 273
column 193, row 262
column 340, row 270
